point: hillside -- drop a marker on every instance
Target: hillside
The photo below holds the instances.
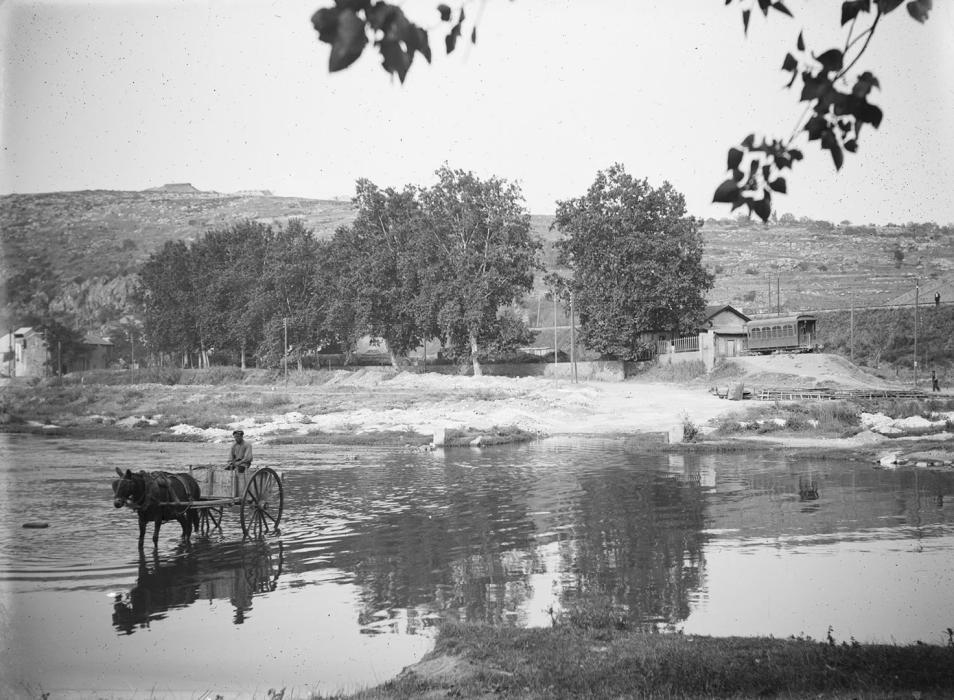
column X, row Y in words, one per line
column 101, row 233
column 811, row 265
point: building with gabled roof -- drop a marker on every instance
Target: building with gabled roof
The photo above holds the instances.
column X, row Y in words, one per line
column 25, row 353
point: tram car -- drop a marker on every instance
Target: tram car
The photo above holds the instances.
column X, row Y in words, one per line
column 782, row 334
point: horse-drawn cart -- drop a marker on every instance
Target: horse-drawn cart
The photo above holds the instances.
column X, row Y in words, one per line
column 198, row 499
column 257, row 492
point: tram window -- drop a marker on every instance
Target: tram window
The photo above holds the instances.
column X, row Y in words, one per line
column 788, row 330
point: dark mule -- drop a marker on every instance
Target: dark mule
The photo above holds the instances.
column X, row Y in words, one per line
column 145, row 491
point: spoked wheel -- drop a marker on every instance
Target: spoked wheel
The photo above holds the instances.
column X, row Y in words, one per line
column 210, row 519
column 262, row 504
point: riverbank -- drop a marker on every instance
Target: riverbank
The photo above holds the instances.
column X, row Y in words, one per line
column 604, row 661
column 663, row 408
column 376, row 405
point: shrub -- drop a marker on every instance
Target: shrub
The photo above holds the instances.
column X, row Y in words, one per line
column 689, row 430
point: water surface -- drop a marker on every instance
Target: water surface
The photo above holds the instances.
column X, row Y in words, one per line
column 377, row 546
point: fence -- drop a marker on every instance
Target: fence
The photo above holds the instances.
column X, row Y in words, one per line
column 689, row 344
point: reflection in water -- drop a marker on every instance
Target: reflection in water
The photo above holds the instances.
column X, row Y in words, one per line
column 502, row 536
column 639, row 540
column 375, row 551
column 203, row 570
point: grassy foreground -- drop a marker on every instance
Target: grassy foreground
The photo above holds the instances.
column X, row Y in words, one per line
column 472, row 660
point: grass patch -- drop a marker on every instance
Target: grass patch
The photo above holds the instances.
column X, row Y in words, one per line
column 495, row 436
column 677, row 372
column 598, row 662
column 905, row 408
column 819, row 417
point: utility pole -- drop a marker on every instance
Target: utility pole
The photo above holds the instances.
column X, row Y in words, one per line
column 778, row 294
column 851, row 329
column 917, row 294
column 285, row 349
column 770, row 296
column 554, row 331
column 572, row 338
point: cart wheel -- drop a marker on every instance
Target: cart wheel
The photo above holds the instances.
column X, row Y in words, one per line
column 262, row 504
column 210, row 519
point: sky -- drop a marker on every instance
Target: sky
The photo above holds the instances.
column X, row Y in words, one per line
column 234, row 95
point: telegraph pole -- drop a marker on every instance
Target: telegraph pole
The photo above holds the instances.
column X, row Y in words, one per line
column 572, row 339
column 851, row 329
column 554, row 331
column 285, row 349
column 917, row 294
column 778, row 294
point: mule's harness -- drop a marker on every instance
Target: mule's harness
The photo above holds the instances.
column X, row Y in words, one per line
column 160, row 479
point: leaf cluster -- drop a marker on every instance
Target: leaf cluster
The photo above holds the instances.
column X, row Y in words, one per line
column 836, row 107
column 348, row 24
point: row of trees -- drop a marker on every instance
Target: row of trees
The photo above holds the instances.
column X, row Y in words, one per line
column 442, row 262
column 448, row 262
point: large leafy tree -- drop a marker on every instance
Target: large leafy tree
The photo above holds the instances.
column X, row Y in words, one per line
column 288, row 297
column 381, row 278
column 170, row 300
column 479, row 256
column 636, row 262
column 228, row 266
column 836, row 99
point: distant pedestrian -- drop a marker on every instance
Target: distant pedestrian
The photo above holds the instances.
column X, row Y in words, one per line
column 935, row 384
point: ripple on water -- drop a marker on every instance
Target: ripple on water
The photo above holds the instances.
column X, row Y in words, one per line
column 374, row 551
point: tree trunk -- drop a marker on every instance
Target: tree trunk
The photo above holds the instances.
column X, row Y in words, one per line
column 395, row 360
column 473, row 355
column 243, row 356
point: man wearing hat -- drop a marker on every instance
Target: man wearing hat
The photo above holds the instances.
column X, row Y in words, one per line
column 240, row 458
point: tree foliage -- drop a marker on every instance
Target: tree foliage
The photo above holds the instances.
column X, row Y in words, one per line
column 480, row 257
column 347, row 25
column 837, row 105
column 381, row 273
column 63, row 341
column 439, row 262
column 418, row 263
column 169, row 299
column 636, row 262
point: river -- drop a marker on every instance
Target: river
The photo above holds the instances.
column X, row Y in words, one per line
column 378, row 546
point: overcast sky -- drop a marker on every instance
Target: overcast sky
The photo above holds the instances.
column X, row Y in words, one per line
column 236, row 95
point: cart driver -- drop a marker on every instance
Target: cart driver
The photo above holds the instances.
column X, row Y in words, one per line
column 240, row 457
